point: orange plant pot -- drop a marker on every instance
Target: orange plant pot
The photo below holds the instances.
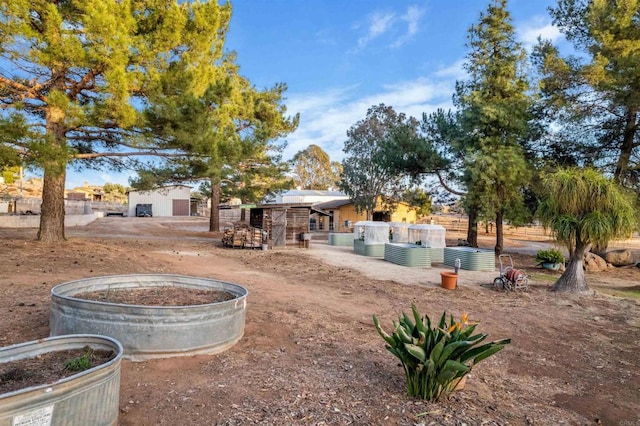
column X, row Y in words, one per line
column 449, row 280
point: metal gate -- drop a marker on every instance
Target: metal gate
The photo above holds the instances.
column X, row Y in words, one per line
column 279, row 227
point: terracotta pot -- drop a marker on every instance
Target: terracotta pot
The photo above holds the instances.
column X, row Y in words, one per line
column 449, row 280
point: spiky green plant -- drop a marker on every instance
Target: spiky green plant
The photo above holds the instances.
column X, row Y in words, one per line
column 435, row 358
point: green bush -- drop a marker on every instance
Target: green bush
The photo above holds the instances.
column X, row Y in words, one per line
column 436, row 358
column 550, row 256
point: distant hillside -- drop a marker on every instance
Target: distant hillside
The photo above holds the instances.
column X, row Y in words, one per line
column 32, row 188
column 28, row 188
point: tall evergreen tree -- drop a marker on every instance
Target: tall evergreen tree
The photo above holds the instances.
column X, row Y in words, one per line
column 476, row 152
column 226, row 134
column 77, row 75
column 494, row 111
column 593, row 99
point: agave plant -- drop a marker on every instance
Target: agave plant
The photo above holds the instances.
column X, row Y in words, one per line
column 435, row 358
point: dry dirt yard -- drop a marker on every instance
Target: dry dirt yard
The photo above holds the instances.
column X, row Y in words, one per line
column 310, row 354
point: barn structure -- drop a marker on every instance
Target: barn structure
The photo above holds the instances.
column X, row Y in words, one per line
column 172, row 200
column 284, row 223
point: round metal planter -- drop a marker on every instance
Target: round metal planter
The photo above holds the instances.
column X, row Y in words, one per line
column 151, row 331
column 87, row 398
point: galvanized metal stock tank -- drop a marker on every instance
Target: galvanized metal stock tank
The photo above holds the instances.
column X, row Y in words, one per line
column 151, row 331
column 90, row 397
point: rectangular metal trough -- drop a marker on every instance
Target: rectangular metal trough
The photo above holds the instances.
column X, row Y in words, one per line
column 341, row 239
column 407, row 254
column 437, row 254
column 471, row 259
column 371, row 250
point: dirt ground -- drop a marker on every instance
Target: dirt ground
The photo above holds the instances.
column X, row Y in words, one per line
column 310, row 354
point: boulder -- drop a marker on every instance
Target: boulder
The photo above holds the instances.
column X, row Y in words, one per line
column 619, row 257
column 594, row 263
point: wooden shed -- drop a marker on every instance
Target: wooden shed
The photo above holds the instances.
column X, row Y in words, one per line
column 284, row 222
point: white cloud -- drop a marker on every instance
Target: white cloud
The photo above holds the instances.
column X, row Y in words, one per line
column 379, row 23
column 122, row 178
column 325, row 37
column 538, row 26
column 454, row 71
column 390, row 23
column 326, row 117
column 412, row 18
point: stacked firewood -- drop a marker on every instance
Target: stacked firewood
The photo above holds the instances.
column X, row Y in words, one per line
column 242, row 236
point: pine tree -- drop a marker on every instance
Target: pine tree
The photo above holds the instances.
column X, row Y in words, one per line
column 593, row 100
column 494, row 111
column 77, row 76
column 226, row 134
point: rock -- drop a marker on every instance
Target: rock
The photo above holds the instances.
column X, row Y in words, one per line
column 594, row 263
column 619, row 257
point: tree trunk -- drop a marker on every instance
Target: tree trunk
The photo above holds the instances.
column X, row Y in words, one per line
column 52, row 209
column 626, row 149
column 499, row 233
column 214, row 218
column 472, row 230
column 573, row 279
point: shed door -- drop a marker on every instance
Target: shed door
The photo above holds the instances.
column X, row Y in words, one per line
column 180, row 208
column 279, row 227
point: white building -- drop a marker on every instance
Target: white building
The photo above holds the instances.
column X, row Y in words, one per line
column 294, row 196
column 173, row 200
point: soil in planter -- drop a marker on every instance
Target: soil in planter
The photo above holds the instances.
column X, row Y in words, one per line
column 49, row 367
column 158, row 296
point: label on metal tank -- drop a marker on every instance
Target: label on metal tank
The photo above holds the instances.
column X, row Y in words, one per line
column 40, row 417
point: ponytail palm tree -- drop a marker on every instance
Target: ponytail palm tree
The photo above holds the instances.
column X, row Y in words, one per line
column 582, row 207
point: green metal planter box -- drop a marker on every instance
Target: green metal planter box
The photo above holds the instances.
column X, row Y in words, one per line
column 341, row 239
column 471, row 259
column 437, row 254
column 407, row 254
column 371, row 250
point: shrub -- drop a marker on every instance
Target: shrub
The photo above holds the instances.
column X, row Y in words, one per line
column 550, row 256
column 436, row 358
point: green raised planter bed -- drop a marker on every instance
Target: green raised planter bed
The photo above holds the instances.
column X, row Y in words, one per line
column 407, row 254
column 437, row 254
column 471, row 259
column 371, row 250
column 341, row 239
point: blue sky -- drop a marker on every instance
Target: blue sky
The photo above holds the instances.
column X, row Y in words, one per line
column 340, row 57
